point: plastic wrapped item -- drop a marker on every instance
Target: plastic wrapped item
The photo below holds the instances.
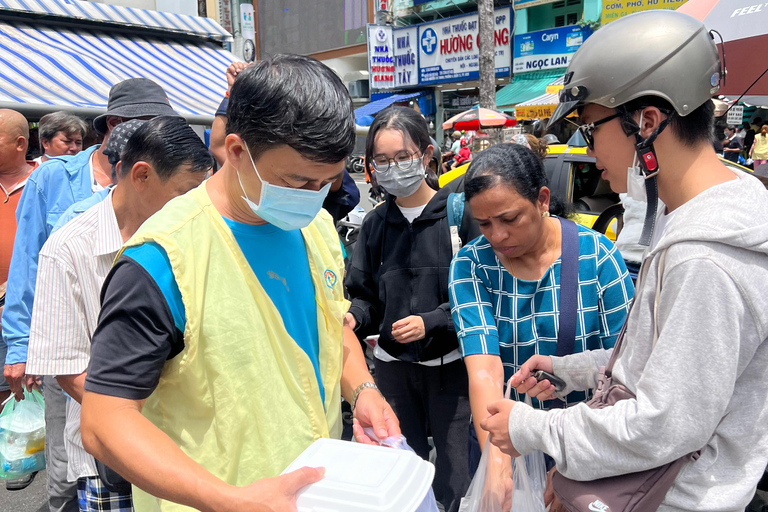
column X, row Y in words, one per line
column 22, row 436
column 491, row 485
column 399, row 443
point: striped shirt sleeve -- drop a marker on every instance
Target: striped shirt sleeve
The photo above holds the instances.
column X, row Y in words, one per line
column 615, row 292
column 471, row 307
column 59, row 341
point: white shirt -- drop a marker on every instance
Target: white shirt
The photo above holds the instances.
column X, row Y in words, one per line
column 73, row 265
column 379, row 353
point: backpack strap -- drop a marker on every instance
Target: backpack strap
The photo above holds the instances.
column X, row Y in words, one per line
column 455, row 211
column 569, row 289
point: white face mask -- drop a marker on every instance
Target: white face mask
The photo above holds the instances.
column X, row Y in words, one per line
column 402, row 183
column 285, row 207
column 635, row 178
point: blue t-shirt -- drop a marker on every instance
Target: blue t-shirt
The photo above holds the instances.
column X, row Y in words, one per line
column 278, row 259
column 496, row 313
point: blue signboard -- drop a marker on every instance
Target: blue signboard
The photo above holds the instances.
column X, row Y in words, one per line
column 448, row 48
column 548, row 49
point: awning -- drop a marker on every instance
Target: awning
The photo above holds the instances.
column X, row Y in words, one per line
column 525, row 87
column 540, row 107
column 377, row 106
column 45, row 69
column 122, row 16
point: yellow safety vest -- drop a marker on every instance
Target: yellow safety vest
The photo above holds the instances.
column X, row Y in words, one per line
column 242, row 399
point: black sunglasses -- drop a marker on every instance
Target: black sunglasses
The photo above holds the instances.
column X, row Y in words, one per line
column 588, row 130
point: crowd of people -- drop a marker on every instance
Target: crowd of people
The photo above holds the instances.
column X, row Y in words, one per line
column 191, row 318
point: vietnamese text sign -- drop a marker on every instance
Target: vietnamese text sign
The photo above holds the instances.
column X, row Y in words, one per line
column 548, row 49
column 448, row 49
column 735, row 115
column 406, row 54
column 381, row 64
column 615, row 9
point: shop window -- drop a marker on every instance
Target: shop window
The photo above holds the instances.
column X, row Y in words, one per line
column 559, row 21
column 572, row 18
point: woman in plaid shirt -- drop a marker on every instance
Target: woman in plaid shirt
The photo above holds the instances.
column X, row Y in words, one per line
column 504, row 286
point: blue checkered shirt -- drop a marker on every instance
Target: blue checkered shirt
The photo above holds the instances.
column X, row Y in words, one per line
column 496, row 313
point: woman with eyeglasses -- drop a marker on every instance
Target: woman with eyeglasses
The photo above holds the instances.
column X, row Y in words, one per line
column 398, row 285
column 505, row 285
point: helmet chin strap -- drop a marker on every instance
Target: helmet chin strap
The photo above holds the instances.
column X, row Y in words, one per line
column 649, row 166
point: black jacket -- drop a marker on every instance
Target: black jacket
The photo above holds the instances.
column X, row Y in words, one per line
column 401, row 269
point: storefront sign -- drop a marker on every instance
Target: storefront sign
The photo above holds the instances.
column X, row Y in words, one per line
column 448, row 49
column 524, row 4
column 548, row 49
column 537, row 112
column 248, row 31
column 381, row 63
column 459, row 101
column 735, row 115
column 406, row 43
column 615, row 9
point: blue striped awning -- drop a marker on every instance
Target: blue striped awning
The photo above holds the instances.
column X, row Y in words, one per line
column 123, row 16
column 377, row 106
column 44, row 69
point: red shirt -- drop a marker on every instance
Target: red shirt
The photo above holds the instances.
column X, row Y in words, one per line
column 8, row 206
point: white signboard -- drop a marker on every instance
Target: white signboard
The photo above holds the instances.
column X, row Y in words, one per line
column 735, row 115
column 448, row 49
column 406, row 42
column 381, row 63
column 248, row 31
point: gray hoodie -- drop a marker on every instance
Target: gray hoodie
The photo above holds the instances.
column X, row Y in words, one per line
column 704, row 385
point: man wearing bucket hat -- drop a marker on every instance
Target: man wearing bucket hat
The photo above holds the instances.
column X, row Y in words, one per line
column 691, row 365
column 52, row 188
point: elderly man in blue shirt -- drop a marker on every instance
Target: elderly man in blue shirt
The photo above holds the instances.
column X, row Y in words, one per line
column 51, row 189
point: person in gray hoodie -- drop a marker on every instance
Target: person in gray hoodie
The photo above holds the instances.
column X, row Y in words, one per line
column 695, row 352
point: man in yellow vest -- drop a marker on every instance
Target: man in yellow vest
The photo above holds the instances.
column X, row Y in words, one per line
column 221, row 352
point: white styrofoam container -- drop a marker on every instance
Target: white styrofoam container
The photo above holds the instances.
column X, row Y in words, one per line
column 363, row 478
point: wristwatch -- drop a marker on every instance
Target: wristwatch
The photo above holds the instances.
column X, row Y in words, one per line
column 359, row 389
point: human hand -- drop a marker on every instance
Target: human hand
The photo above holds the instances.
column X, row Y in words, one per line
column 524, row 382
column 14, row 376
column 497, row 426
column 550, row 500
column 349, row 319
column 276, row 494
column 409, row 329
column 33, row 382
column 371, row 410
column 233, row 70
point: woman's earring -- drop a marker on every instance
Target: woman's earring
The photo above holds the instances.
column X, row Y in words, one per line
column 545, row 214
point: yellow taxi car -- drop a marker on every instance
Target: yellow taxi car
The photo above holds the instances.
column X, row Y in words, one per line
column 574, row 177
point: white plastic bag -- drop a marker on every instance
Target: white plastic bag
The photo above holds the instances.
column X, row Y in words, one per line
column 22, row 436
column 399, row 443
column 529, row 476
column 490, row 485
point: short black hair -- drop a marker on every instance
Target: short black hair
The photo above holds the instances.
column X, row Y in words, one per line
column 294, row 101
column 692, row 129
column 55, row 122
column 167, row 143
column 512, row 165
column 413, row 127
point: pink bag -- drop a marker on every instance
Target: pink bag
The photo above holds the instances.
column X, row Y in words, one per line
column 633, row 492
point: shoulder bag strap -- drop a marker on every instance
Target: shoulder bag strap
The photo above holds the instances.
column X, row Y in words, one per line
column 569, row 289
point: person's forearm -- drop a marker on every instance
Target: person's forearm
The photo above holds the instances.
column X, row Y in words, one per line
column 73, row 385
column 486, row 385
column 115, row 432
column 354, row 370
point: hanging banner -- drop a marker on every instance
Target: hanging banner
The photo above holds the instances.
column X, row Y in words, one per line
column 548, row 49
column 406, row 53
column 448, row 49
column 615, row 9
column 381, row 64
column 248, row 31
